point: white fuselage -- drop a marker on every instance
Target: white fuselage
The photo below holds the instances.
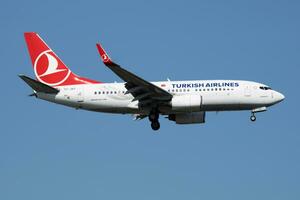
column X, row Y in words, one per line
column 213, row 95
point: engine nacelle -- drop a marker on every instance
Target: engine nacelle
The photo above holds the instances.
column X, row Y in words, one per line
column 186, row 103
column 188, row 118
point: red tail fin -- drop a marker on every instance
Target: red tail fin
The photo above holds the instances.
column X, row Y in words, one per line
column 48, row 67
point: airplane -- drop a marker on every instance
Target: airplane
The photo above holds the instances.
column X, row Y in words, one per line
column 184, row 102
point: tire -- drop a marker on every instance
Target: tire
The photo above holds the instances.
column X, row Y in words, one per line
column 155, row 125
column 253, row 118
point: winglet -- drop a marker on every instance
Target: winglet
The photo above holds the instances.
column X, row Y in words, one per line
column 105, row 58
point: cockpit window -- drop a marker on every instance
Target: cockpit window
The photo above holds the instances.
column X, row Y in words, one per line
column 264, row 88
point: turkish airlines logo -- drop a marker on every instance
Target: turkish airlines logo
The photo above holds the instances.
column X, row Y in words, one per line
column 49, row 69
column 105, row 58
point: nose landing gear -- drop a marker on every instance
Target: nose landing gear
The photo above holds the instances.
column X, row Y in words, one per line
column 256, row 110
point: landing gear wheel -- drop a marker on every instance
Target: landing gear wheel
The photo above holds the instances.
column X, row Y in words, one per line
column 155, row 125
column 153, row 118
column 253, row 118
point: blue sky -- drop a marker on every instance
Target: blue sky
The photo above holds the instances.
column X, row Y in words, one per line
column 50, row 152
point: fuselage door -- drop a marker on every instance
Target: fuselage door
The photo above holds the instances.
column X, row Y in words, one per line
column 247, row 91
column 80, row 95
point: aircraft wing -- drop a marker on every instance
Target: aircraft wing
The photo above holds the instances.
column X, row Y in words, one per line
column 142, row 90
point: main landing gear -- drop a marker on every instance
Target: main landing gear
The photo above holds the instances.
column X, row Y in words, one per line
column 153, row 118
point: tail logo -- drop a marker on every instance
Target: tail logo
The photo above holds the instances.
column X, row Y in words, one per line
column 105, row 58
column 49, row 69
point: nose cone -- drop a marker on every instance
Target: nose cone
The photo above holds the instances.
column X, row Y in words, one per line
column 278, row 97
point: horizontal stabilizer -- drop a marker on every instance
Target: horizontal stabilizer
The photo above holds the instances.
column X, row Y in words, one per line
column 38, row 86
